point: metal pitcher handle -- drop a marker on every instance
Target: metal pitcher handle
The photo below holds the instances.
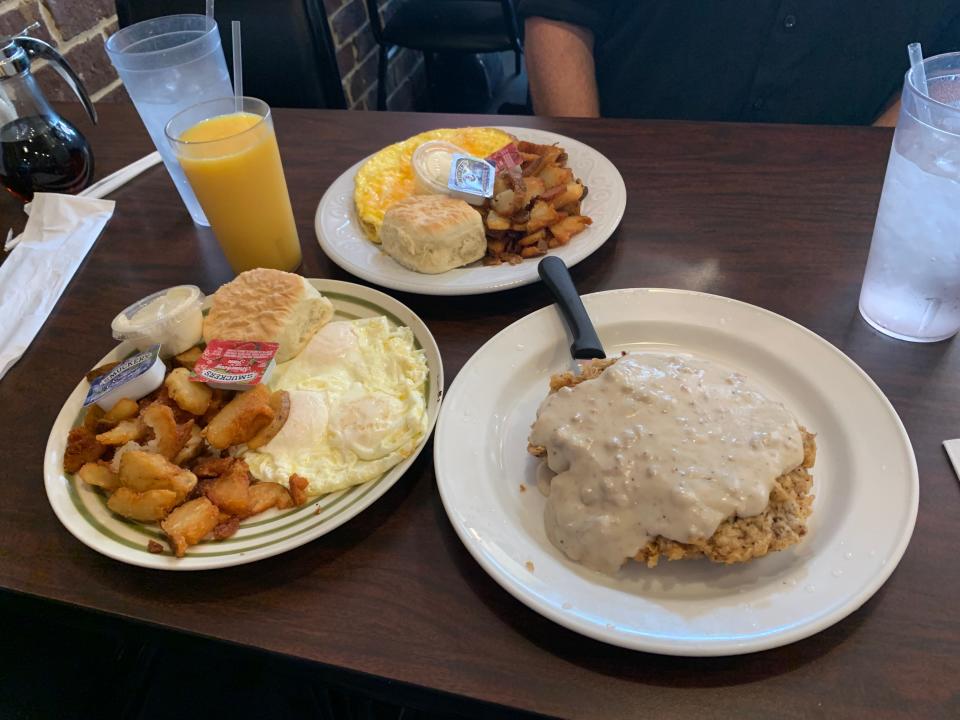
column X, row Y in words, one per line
column 39, row 49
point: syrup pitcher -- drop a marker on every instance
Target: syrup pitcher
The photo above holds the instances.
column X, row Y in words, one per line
column 39, row 150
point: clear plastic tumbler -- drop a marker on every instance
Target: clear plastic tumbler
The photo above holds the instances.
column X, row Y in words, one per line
column 911, row 287
column 168, row 64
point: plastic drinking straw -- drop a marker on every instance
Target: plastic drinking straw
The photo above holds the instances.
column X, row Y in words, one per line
column 210, row 9
column 237, row 67
column 919, row 74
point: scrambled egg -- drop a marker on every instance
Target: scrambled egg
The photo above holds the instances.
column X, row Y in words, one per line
column 388, row 176
column 357, row 407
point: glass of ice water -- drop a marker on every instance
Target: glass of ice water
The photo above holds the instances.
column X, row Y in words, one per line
column 168, row 64
column 911, row 287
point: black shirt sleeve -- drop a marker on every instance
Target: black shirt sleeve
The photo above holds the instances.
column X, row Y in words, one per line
column 590, row 14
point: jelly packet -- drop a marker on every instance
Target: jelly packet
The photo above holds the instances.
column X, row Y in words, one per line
column 235, row 364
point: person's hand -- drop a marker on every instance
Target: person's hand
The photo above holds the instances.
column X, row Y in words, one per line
column 560, row 68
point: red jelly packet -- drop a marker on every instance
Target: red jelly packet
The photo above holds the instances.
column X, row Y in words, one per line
column 506, row 158
column 235, row 364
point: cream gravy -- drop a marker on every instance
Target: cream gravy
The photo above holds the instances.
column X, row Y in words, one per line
column 658, row 444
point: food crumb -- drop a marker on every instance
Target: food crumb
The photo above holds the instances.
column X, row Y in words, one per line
column 318, row 510
column 154, row 547
column 523, row 488
column 529, row 566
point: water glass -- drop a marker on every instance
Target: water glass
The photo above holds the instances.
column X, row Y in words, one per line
column 911, row 287
column 167, row 64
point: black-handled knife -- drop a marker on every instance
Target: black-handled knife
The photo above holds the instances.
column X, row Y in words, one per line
column 557, row 278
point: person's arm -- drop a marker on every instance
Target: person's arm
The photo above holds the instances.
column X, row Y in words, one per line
column 560, row 68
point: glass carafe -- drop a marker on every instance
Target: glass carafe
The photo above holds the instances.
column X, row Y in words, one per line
column 39, row 149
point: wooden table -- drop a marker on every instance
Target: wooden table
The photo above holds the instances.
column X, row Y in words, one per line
column 778, row 216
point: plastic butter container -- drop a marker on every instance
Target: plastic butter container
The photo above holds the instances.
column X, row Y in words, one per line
column 171, row 318
column 134, row 378
column 431, row 166
column 471, row 179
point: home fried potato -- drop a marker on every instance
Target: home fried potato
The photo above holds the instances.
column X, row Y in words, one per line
column 92, row 418
column 194, row 397
column 166, row 439
column 241, row 418
column 190, row 523
column 147, row 506
column 211, row 467
column 99, row 475
column 125, row 409
column 280, row 403
column 521, row 217
column 188, row 358
column 298, row 489
column 230, row 491
column 141, row 471
column 132, row 430
column 193, row 444
column 265, row 495
column 82, row 447
column 226, row 528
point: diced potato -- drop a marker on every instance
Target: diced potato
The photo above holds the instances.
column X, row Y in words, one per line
column 125, row 409
column 190, row 523
column 126, row 431
column 534, row 189
column 500, row 183
column 572, row 192
column 193, row 444
column 554, row 175
column 503, row 203
column 229, row 492
column 568, row 227
column 148, row 506
column 141, row 471
column 533, row 238
column 280, row 403
column 99, row 475
column 92, row 418
column 541, row 215
column 532, row 251
column 497, row 222
column 82, row 447
column 241, row 418
column 188, row 358
column 218, row 401
column 298, row 489
column 194, row 397
column 167, row 439
column 265, row 495
column 211, row 467
column 227, row 527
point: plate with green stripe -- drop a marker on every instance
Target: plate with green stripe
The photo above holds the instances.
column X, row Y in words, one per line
column 83, row 509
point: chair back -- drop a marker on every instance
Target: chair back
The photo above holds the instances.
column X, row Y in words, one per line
column 288, row 51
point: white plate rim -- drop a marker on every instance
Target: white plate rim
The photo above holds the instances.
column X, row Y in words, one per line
column 522, row 274
column 719, row 648
column 56, row 481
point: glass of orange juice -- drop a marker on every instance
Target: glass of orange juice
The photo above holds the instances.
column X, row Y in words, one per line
column 228, row 151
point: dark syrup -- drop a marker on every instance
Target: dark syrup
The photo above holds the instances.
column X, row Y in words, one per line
column 43, row 154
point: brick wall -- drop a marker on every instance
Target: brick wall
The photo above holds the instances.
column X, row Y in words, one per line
column 78, row 28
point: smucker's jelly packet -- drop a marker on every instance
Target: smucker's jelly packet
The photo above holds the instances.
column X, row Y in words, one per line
column 507, row 159
column 235, row 364
column 471, row 179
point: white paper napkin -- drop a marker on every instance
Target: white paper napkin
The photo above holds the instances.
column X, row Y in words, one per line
column 60, row 232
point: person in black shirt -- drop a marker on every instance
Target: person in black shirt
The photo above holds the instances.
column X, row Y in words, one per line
column 818, row 61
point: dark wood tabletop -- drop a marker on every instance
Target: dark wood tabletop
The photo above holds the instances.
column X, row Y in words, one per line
column 778, row 216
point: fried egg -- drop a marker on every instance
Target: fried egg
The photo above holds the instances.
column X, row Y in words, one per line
column 357, row 407
column 388, row 175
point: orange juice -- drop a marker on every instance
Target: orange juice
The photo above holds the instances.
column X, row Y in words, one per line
column 233, row 165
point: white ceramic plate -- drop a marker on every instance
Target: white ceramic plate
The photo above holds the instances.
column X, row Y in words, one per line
column 83, row 510
column 344, row 242
column 865, row 480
